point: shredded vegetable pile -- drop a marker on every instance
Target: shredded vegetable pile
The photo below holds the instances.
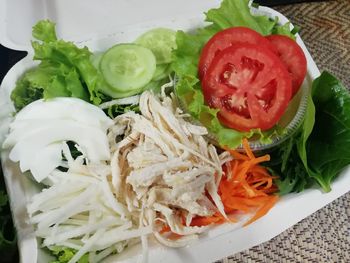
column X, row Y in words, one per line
column 79, row 211
column 248, row 185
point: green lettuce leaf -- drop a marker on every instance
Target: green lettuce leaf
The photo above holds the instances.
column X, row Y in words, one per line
column 237, row 13
column 45, row 31
column 186, row 56
column 65, row 70
column 284, row 30
column 25, row 92
column 69, row 55
column 64, row 255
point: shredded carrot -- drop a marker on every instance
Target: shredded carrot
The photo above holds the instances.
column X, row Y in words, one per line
column 235, row 168
column 251, row 186
column 246, row 187
column 247, row 149
column 237, row 155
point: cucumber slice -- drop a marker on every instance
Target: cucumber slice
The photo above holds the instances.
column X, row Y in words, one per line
column 162, row 71
column 117, row 94
column 154, row 85
column 128, row 67
column 161, row 41
column 95, row 59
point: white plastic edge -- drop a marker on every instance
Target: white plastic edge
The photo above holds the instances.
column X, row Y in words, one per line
column 28, row 244
column 4, row 40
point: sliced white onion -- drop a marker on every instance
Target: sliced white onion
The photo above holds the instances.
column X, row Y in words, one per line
column 38, row 130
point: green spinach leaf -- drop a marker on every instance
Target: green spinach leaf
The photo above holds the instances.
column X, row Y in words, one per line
column 320, row 150
column 328, row 148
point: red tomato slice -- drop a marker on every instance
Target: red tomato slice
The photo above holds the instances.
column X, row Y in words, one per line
column 225, row 39
column 293, row 58
column 249, row 85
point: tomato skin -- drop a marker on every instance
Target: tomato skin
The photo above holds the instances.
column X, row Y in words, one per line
column 225, row 39
column 254, row 93
column 293, row 58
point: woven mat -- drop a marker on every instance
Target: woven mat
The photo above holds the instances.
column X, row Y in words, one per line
column 325, row 235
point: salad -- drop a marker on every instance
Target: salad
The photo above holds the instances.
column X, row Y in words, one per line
column 153, row 139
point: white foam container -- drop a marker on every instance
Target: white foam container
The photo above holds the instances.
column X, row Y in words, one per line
column 100, row 24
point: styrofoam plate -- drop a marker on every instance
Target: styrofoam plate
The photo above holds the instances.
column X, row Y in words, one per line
column 220, row 241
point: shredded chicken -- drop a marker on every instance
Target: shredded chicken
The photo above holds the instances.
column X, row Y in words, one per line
column 164, row 168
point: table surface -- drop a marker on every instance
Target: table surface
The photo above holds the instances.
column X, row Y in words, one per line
column 325, row 235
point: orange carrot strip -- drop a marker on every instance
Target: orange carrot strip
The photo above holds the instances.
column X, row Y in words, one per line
column 256, row 201
column 259, row 183
column 229, row 170
column 231, row 204
column 245, row 186
column 255, row 177
column 247, row 149
column 272, row 190
column 261, row 159
column 235, row 166
column 260, row 170
column 269, row 183
column 242, row 174
column 226, row 187
column 263, row 210
column 217, row 218
column 234, row 170
column 250, row 202
column 249, row 190
column 237, row 155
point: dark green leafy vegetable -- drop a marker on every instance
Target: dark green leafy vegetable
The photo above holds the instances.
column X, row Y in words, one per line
column 185, row 64
column 328, row 147
column 288, row 166
column 321, row 148
column 293, row 158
